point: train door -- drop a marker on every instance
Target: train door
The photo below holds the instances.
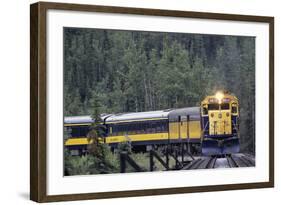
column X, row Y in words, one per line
column 179, row 127
column 173, row 129
column 183, row 128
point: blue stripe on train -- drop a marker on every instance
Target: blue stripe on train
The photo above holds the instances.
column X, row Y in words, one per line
column 204, row 124
column 219, row 136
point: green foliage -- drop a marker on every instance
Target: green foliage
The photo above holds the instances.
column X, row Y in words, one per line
column 103, row 160
column 78, row 165
column 124, row 147
column 133, row 71
column 106, row 162
column 90, row 164
column 96, row 110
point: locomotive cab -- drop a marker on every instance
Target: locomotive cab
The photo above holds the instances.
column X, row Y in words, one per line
column 219, row 124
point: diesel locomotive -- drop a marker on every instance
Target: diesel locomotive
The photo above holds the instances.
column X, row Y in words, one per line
column 220, row 124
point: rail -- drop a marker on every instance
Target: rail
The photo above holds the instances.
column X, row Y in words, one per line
column 231, row 161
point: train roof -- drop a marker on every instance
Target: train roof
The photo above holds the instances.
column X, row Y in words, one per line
column 133, row 116
column 80, row 119
column 137, row 116
column 192, row 112
column 171, row 114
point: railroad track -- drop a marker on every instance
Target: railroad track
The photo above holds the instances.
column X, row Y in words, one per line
column 231, row 162
column 202, row 163
column 211, row 162
column 227, row 161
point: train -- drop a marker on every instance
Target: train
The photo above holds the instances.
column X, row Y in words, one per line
column 220, row 124
column 210, row 129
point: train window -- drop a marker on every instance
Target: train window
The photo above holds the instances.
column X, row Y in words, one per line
column 225, row 106
column 213, row 107
column 152, row 128
column 158, row 127
column 115, row 129
column 131, row 128
column 234, row 108
column 79, row 131
column 205, row 111
column 139, row 127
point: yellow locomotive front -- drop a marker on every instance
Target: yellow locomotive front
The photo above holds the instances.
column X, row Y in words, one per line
column 219, row 120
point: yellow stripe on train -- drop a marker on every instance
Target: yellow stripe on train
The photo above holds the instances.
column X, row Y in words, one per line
column 194, row 134
column 118, row 139
column 137, row 137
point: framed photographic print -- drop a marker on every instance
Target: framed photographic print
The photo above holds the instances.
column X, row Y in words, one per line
column 134, row 102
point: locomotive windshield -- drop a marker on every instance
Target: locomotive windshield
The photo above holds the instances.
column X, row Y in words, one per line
column 225, row 106
column 234, row 108
column 216, row 106
column 213, row 106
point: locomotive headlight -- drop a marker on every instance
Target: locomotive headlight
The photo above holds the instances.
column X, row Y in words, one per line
column 219, row 96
